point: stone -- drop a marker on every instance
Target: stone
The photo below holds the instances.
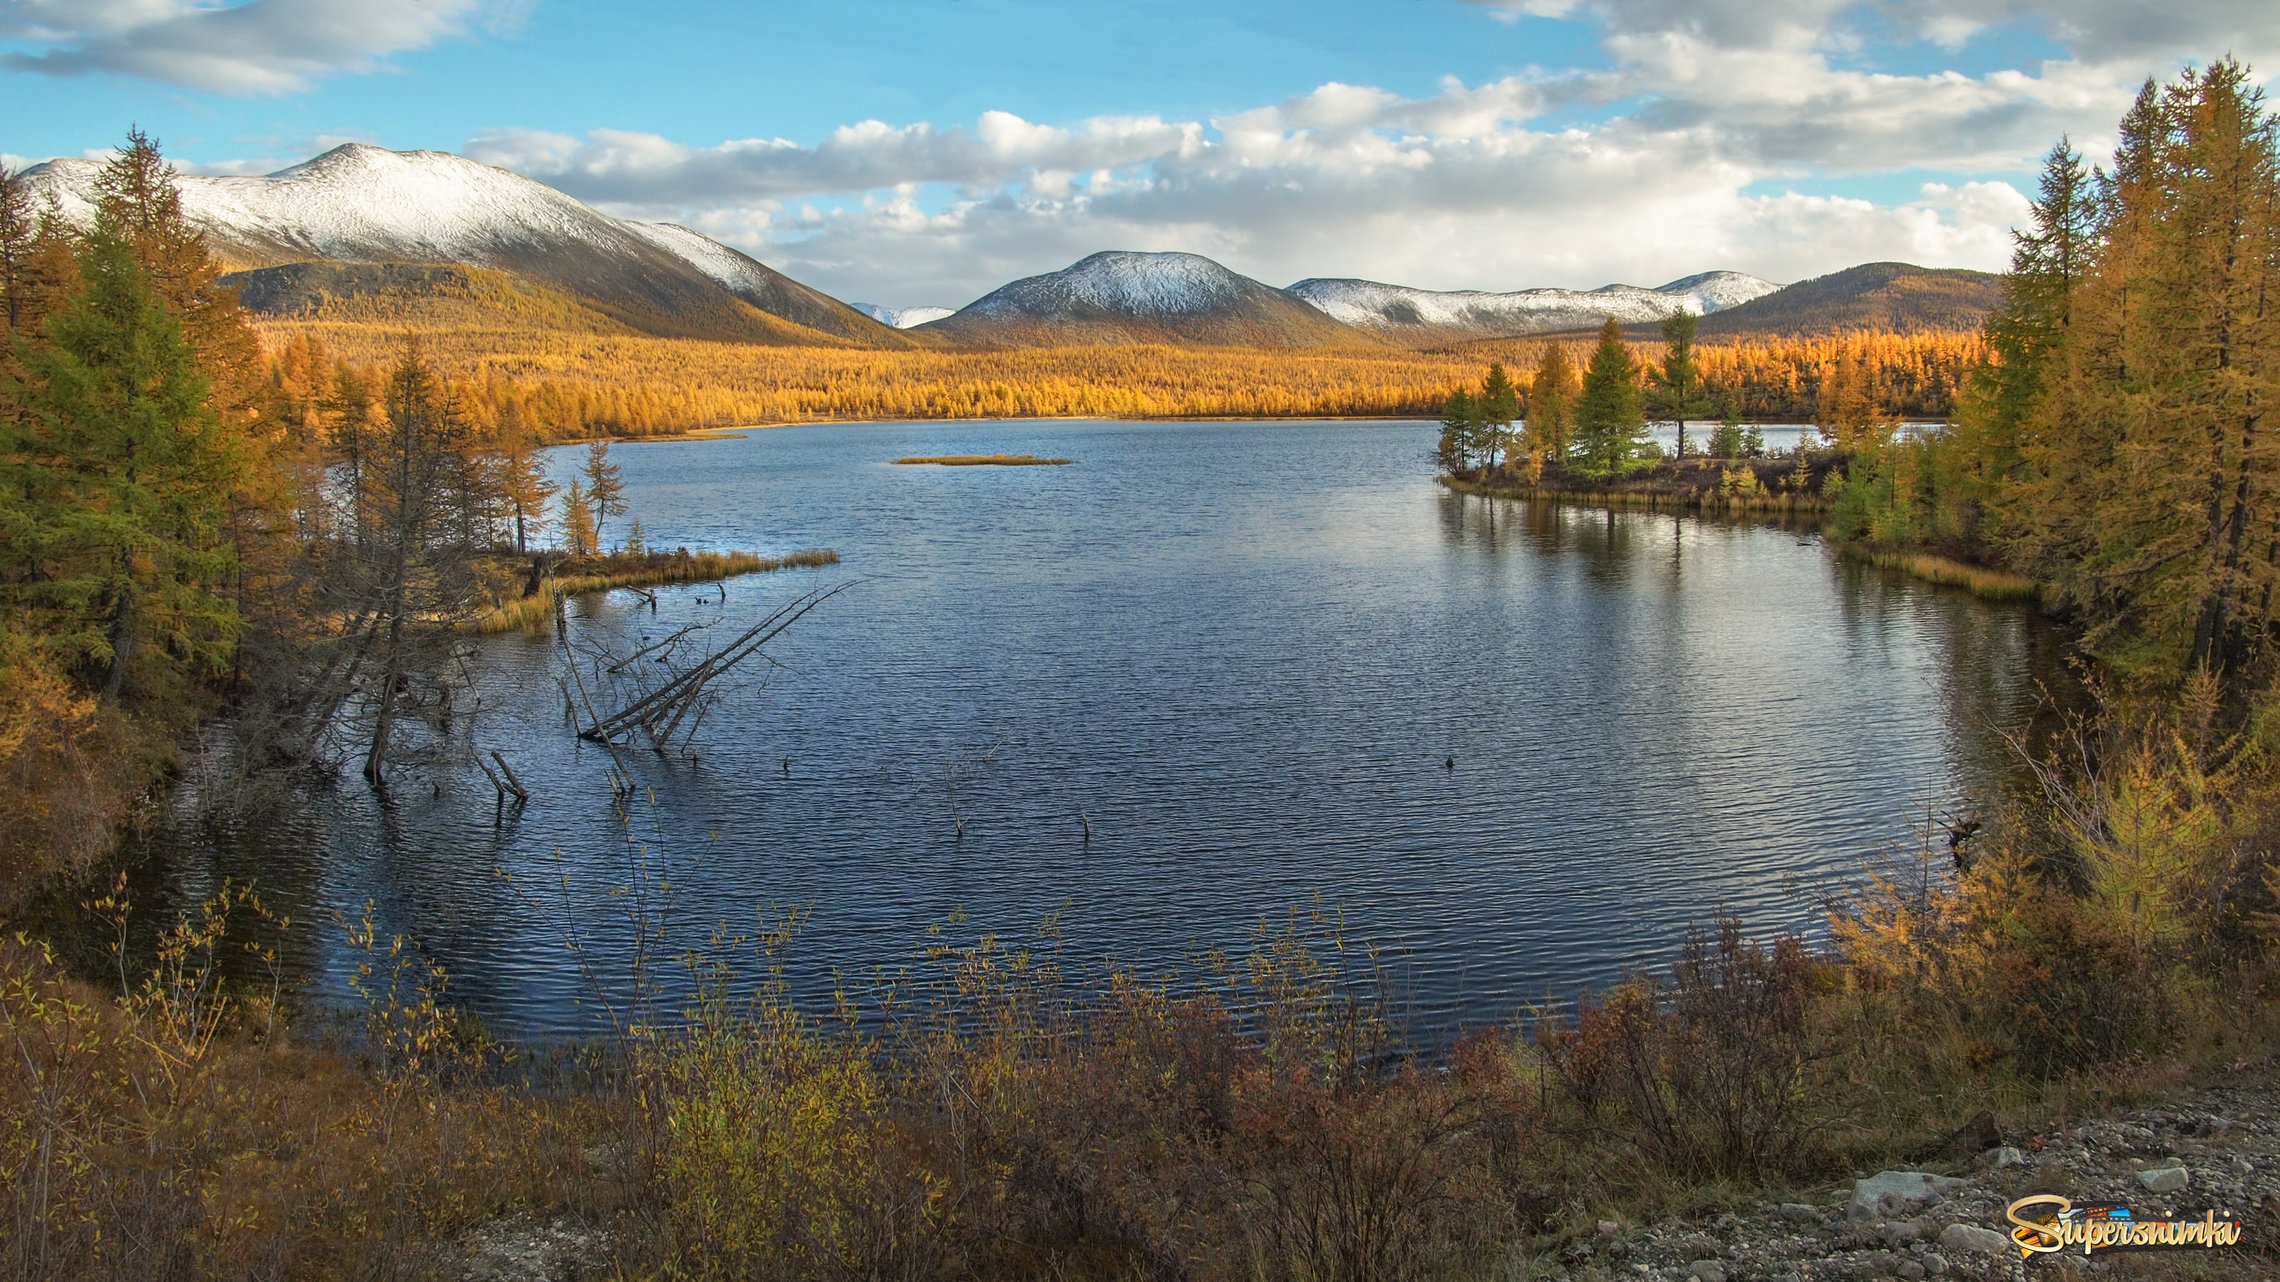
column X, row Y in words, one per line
column 2243, row 1168
column 1801, row 1212
column 1707, row 1271
column 1901, row 1232
column 1966, row 1141
column 1972, row 1239
column 1608, row 1228
column 2008, row 1156
column 1911, row 1270
column 2165, row 1179
column 1898, row 1193
column 1934, row 1263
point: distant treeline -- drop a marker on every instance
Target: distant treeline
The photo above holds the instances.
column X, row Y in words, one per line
column 566, row 386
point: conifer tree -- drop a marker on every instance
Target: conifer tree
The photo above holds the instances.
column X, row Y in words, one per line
column 523, row 481
column 137, row 192
column 1678, row 384
column 1552, row 395
column 1846, row 408
column 415, row 571
column 1609, row 426
column 2147, row 459
column 605, row 487
column 1459, row 426
column 579, row 537
column 120, row 475
column 1497, row 406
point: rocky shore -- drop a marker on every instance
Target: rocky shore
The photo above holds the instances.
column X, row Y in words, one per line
column 2215, row 1148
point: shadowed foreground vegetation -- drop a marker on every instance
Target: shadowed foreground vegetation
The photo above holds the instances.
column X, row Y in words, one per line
column 989, row 1113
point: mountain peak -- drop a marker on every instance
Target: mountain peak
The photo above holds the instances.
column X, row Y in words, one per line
column 1124, row 281
column 1122, row 296
column 358, row 203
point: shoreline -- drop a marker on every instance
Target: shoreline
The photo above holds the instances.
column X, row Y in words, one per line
column 613, row 573
column 1983, row 582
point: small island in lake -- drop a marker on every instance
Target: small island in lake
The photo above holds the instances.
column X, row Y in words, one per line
column 986, row 460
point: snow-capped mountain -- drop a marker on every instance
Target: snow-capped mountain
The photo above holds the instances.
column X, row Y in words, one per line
column 902, row 317
column 1118, row 297
column 365, row 204
column 1417, row 316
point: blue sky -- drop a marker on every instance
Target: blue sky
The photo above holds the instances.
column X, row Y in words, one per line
column 901, row 152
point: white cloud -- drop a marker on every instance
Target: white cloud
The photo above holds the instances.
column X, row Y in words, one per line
column 1465, row 187
column 615, row 165
column 2100, row 32
column 258, row 46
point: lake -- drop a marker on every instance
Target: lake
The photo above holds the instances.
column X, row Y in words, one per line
column 1208, row 674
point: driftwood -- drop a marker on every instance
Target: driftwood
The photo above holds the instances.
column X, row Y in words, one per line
column 660, row 713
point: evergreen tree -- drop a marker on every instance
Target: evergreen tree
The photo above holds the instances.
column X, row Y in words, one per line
column 1497, row 406
column 1609, row 425
column 118, row 474
column 136, row 191
column 1678, row 392
column 1459, row 428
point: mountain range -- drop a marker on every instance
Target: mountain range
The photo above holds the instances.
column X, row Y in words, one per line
column 384, row 235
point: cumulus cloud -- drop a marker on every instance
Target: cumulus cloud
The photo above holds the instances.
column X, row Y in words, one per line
column 259, row 46
column 1464, row 187
column 2099, row 32
column 614, row 165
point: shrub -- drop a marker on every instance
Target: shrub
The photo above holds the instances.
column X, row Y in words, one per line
column 1706, row 1075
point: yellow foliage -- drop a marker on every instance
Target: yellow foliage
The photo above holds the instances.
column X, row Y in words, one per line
column 566, row 383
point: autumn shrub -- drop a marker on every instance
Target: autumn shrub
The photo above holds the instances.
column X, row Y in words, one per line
column 73, row 773
column 168, row 1130
column 1704, row 1075
column 780, row 1159
column 2099, row 920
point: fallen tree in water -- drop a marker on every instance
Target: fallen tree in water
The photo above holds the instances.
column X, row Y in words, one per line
column 659, row 708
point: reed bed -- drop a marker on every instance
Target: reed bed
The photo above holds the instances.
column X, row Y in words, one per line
column 1979, row 580
column 637, row 570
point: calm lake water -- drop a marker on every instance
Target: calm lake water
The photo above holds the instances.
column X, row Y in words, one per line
column 1269, row 664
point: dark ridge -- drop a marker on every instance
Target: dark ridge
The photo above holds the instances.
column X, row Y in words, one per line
column 1898, row 298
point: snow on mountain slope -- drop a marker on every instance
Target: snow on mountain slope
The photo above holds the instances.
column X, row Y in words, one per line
column 1419, row 315
column 358, row 203
column 1115, row 281
column 738, row 272
column 1120, row 297
column 364, row 203
column 902, row 317
column 1717, row 291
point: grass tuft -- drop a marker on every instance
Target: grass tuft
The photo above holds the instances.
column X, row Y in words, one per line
column 1979, row 580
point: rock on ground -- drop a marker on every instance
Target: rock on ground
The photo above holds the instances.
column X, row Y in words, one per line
column 2222, row 1140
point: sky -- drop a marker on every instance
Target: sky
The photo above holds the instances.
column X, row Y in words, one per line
column 909, row 152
